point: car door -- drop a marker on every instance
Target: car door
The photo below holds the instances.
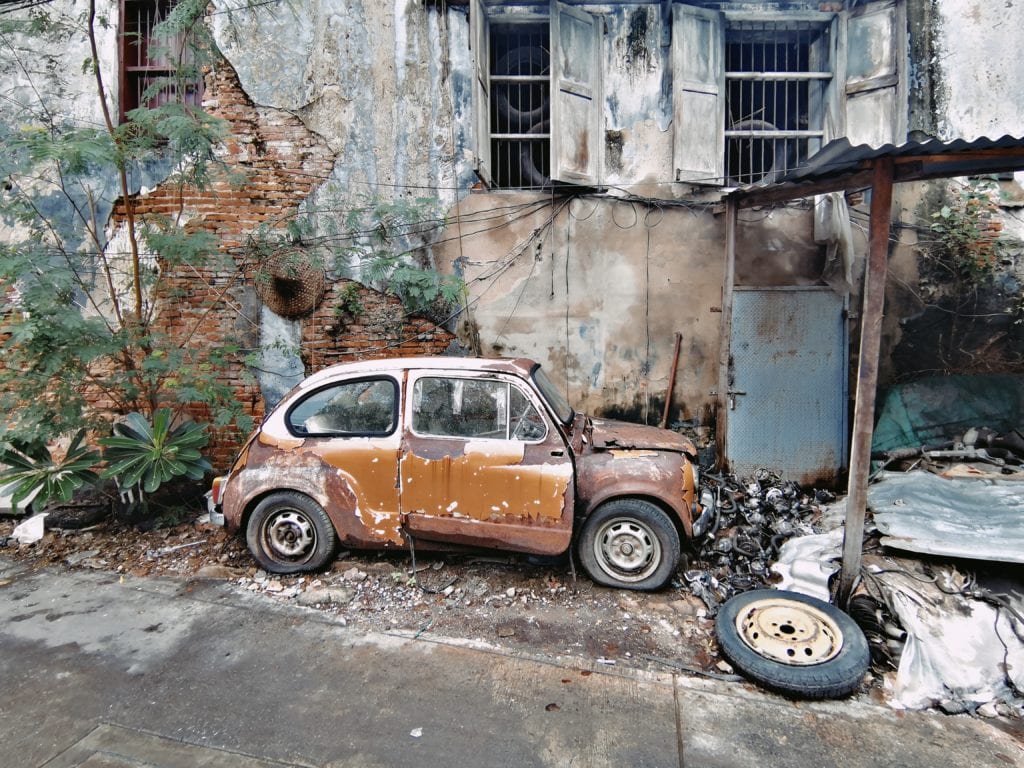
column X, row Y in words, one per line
column 351, row 428
column 483, row 464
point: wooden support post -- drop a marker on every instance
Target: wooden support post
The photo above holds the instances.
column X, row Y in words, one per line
column 867, row 376
column 671, row 381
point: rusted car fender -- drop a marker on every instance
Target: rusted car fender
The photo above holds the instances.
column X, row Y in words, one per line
column 303, row 472
column 663, row 477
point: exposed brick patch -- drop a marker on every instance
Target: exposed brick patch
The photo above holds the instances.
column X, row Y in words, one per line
column 283, row 163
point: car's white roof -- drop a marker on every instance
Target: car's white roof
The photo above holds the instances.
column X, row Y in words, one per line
column 519, row 366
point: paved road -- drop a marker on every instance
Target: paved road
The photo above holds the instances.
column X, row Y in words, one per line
column 99, row 672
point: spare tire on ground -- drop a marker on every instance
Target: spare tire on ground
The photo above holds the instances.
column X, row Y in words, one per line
column 793, row 644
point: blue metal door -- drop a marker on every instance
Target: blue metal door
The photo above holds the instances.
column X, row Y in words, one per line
column 787, row 395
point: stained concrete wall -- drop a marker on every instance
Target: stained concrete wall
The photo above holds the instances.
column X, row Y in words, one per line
column 595, row 289
column 965, row 76
column 598, row 294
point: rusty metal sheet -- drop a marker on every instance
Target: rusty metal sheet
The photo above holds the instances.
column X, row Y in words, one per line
column 487, row 481
column 551, row 539
column 354, row 483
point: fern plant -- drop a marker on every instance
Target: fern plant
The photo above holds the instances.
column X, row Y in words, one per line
column 35, row 474
column 147, row 455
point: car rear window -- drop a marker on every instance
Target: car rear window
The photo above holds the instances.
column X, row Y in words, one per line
column 363, row 407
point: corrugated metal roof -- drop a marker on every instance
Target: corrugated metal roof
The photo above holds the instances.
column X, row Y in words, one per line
column 840, row 165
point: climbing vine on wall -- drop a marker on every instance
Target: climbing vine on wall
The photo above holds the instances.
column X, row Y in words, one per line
column 967, row 233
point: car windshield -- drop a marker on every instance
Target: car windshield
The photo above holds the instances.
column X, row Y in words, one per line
column 555, row 399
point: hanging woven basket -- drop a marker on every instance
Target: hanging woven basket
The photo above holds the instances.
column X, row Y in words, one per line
column 288, row 284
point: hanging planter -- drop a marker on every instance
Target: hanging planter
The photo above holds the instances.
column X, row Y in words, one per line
column 289, row 284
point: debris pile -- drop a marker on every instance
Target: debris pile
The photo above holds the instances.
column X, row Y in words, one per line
column 1003, row 452
column 755, row 517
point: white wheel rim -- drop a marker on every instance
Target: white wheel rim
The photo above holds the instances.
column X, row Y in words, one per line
column 290, row 535
column 789, row 632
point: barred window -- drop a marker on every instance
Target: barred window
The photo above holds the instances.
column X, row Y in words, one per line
column 536, row 94
column 148, row 59
column 520, row 74
column 776, row 74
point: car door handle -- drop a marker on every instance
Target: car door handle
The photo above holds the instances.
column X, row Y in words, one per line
column 558, row 453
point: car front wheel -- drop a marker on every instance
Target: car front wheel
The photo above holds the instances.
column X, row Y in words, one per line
column 290, row 533
column 630, row 544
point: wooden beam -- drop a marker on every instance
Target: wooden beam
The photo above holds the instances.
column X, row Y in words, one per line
column 867, row 376
column 782, row 193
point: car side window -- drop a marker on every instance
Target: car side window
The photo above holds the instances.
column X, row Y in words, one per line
column 364, row 407
column 482, row 408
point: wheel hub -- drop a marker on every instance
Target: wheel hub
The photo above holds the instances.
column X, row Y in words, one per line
column 290, row 534
column 627, row 550
column 789, row 632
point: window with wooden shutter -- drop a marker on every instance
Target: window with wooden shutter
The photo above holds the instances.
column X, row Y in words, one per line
column 537, row 96
column 757, row 92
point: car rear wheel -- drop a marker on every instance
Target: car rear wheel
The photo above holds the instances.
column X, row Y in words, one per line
column 630, row 544
column 290, row 533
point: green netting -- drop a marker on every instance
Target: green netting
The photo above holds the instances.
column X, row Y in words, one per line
column 940, row 408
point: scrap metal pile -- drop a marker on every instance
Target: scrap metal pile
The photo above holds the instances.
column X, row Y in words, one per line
column 978, row 444
column 755, row 517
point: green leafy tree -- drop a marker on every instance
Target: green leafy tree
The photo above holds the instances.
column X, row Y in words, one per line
column 80, row 332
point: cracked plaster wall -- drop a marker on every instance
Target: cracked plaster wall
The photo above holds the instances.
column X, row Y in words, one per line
column 369, row 77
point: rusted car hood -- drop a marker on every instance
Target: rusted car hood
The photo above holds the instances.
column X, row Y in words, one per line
column 621, row 435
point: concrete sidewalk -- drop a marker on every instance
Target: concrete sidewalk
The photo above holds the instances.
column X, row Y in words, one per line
column 99, row 672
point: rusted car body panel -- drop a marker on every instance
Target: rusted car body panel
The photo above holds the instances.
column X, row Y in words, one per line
column 620, row 458
column 523, row 493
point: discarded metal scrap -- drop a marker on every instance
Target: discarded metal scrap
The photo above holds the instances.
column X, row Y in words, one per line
column 754, row 518
column 976, row 444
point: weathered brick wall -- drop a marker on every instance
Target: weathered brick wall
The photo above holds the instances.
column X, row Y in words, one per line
column 379, row 327
column 202, row 307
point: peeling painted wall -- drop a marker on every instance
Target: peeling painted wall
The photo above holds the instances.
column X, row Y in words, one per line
column 978, row 56
column 373, row 79
column 598, row 294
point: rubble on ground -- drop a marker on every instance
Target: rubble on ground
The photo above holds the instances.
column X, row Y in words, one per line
column 495, row 598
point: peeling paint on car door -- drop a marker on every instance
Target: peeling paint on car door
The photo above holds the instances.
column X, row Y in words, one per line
column 482, row 464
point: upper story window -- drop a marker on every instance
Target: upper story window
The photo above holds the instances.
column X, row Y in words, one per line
column 152, row 64
column 537, row 94
column 757, row 92
column 776, row 76
column 520, row 120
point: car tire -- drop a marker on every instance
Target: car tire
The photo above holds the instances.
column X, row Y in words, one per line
column 289, row 532
column 629, row 544
column 793, row 644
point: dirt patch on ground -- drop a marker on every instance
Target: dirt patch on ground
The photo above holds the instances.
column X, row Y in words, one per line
column 501, row 599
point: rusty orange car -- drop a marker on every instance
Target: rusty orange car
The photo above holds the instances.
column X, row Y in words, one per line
column 449, row 453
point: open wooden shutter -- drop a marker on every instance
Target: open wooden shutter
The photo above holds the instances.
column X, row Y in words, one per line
column 874, row 85
column 698, row 115
column 576, row 107
column 479, row 42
